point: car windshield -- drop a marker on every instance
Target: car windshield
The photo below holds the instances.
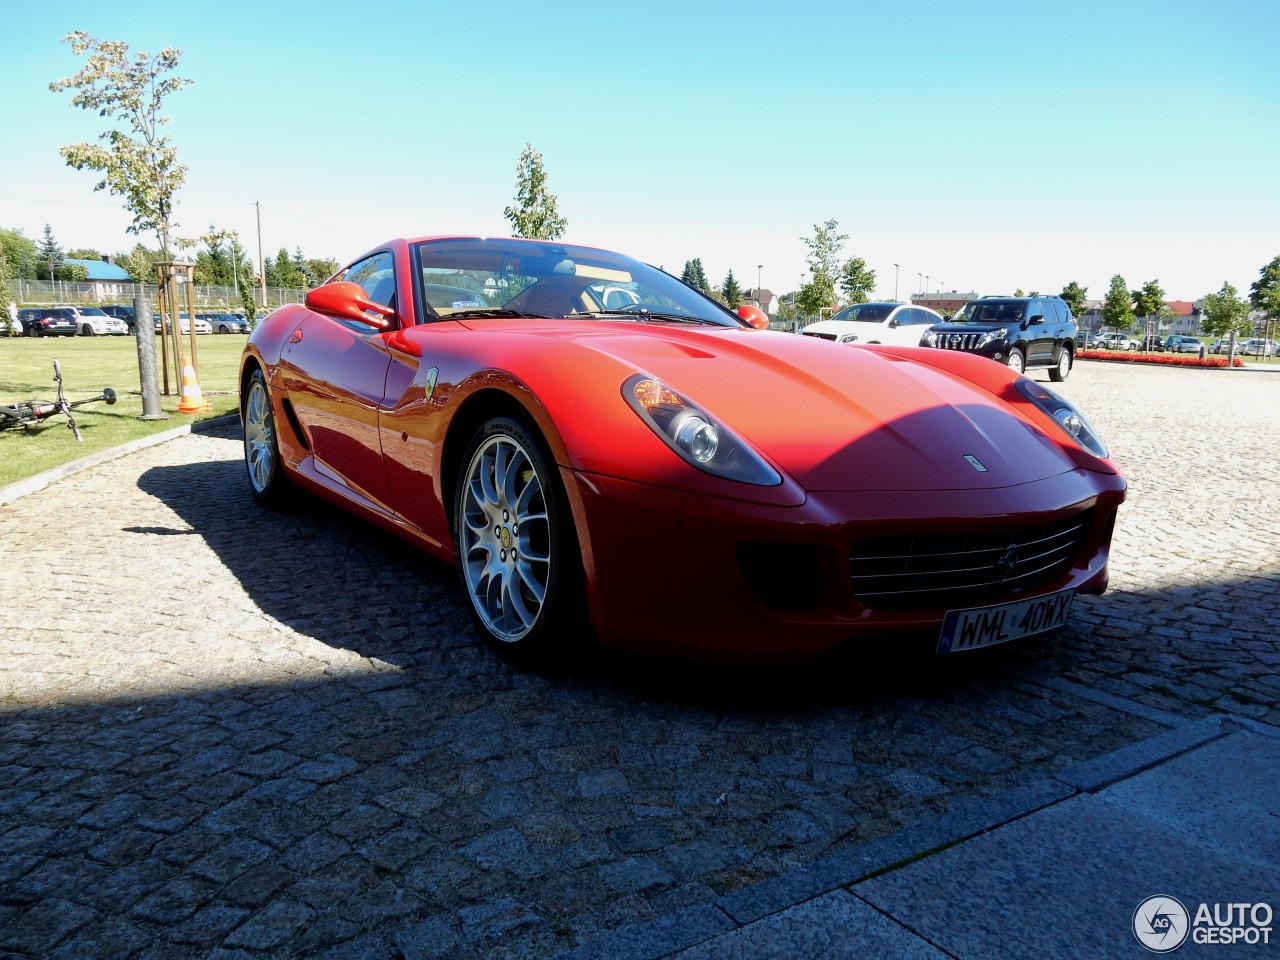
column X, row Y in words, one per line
column 990, row 311
column 866, row 312
column 475, row 277
column 91, row 312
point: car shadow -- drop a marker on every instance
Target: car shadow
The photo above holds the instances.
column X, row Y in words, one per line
column 349, row 585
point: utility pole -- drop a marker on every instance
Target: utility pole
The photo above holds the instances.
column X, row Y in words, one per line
column 262, row 265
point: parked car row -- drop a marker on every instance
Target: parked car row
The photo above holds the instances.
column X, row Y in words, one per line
column 114, row 319
column 69, row 321
column 1021, row 332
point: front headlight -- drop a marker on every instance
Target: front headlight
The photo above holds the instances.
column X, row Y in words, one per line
column 929, row 339
column 991, row 336
column 849, row 338
column 695, row 435
column 1064, row 413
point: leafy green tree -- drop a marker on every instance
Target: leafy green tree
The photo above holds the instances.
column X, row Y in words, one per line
column 49, row 254
column 731, row 291
column 1264, row 293
column 1076, row 298
column 140, row 262
column 1117, row 306
column 8, row 323
column 856, row 281
column 1225, row 313
column 1149, row 301
column 143, row 169
column 787, row 306
column 19, row 251
column 84, row 253
column 824, row 249
column 535, row 214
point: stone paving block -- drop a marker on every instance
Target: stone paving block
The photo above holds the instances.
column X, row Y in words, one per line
column 401, row 720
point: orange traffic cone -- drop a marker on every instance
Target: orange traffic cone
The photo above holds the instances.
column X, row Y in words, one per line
column 193, row 400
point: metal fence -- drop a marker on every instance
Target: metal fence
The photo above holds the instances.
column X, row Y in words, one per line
column 40, row 293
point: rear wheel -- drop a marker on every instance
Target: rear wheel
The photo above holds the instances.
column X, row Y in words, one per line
column 261, row 450
column 1017, row 360
column 1062, row 369
column 517, row 549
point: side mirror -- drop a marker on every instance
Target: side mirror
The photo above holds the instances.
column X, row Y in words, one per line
column 756, row 318
column 345, row 300
column 1038, row 318
column 894, row 323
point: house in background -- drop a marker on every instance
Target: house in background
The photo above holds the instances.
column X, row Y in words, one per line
column 945, row 303
column 762, row 298
column 104, row 280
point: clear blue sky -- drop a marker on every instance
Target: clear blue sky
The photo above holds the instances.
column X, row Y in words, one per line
column 989, row 145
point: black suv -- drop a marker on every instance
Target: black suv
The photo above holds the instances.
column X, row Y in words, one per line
column 1022, row 332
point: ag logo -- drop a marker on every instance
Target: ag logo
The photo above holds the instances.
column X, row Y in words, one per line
column 1161, row 924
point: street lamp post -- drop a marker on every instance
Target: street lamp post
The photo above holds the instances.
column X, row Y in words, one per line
column 926, row 286
column 919, row 282
column 895, row 283
column 759, row 267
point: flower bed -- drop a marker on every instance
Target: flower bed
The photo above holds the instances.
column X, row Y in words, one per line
column 1163, row 359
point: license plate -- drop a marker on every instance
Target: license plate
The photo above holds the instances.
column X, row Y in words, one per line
column 987, row 626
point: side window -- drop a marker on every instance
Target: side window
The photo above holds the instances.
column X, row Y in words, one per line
column 377, row 276
column 920, row 318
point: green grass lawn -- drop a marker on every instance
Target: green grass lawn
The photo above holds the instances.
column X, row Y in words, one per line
column 89, row 364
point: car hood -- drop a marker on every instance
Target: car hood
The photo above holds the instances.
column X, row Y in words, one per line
column 835, row 418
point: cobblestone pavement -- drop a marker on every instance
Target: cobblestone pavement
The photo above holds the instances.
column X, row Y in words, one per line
column 229, row 732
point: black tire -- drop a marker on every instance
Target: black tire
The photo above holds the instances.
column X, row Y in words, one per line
column 261, row 448
column 87, row 331
column 1017, row 360
column 1061, row 368
column 518, row 555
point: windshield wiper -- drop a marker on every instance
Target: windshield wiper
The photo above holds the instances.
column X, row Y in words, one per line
column 491, row 312
column 645, row 316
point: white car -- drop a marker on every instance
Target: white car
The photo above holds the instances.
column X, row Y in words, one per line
column 1117, row 341
column 899, row 324
column 96, row 323
column 202, row 326
column 1255, row 347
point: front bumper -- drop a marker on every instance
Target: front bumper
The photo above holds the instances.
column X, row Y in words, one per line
column 681, row 575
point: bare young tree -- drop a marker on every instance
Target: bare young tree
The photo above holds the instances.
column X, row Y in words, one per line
column 141, row 165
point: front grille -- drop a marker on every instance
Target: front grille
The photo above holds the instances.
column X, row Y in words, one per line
column 958, row 341
column 898, row 573
column 820, row 336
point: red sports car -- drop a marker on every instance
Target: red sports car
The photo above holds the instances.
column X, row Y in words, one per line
column 603, row 451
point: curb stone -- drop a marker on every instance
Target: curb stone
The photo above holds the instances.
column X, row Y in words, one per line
column 41, row 480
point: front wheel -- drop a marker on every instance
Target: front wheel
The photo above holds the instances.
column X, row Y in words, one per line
column 261, row 450
column 1062, row 369
column 86, row 331
column 517, row 549
column 1017, row 360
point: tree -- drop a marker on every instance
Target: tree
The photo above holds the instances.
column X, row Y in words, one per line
column 694, row 275
column 856, row 281
column 140, row 262
column 1117, row 306
column 1264, row 293
column 1148, row 304
column 731, row 291
column 49, row 254
column 84, row 253
column 1074, row 295
column 143, row 168
column 535, row 216
column 7, row 321
column 1225, row 313
column 824, row 248
column 20, row 253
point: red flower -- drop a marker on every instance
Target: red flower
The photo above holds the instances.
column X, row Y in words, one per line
column 1165, row 359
